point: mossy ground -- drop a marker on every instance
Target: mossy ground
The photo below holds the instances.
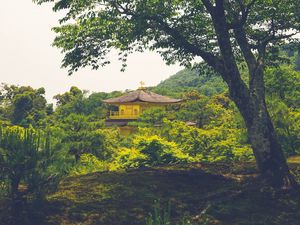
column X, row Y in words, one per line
column 232, row 194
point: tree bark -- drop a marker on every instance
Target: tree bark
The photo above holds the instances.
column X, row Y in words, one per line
column 262, row 135
column 269, row 156
column 251, row 101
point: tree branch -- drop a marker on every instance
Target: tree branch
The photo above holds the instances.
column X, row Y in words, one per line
column 245, row 10
column 273, row 37
column 245, row 47
column 212, row 60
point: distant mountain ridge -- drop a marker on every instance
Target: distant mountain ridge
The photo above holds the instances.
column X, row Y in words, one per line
column 189, row 80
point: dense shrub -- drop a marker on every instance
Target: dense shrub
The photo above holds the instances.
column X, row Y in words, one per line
column 128, row 158
column 148, row 150
column 25, row 158
column 286, row 121
column 89, row 163
column 158, row 150
column 211, row 144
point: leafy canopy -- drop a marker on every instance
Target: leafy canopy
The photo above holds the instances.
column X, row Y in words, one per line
column 23, row 105
column 179, row 30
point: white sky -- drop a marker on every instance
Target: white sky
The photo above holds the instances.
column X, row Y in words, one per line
column 27, row 57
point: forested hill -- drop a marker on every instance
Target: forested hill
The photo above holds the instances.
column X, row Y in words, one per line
column 208, row 83
column 188, row 80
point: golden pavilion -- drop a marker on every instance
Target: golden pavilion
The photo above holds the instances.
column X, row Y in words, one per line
column 133, row 104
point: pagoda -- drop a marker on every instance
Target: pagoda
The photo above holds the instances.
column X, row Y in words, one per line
column 133, row 104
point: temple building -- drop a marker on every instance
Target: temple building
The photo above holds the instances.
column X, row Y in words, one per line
column 133, row 104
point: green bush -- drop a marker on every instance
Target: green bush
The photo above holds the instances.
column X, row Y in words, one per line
column 89, row 163
column 128, row 158
column 211, row 144
column 148, row 150
column 158, row 150
column 25, row 158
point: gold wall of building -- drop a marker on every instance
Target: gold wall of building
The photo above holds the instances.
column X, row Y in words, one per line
column 132, row 111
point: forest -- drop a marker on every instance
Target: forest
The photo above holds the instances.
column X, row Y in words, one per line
column 227, row 153
column 42, row 145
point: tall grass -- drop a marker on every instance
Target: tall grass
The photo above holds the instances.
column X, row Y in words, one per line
column 162, row 216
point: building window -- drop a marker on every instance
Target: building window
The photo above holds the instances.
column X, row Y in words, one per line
column 135, row 112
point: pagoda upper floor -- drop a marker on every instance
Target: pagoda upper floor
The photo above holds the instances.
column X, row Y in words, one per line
column 133, row 104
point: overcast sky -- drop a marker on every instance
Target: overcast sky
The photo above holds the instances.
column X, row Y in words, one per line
column 27, row 57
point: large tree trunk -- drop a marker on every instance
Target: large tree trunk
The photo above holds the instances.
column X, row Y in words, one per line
column 250, row 100
column 262, row 135
column 268, row 152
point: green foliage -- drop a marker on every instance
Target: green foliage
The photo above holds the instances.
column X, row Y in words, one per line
column 79, row 102
column 179, row 30
column 297, row 176
column 211, row 144
column 106, row 141
column 26, row 156
column 192, row 108
column 284, row 83
column 24, row 105
column 163, row 216
column 159, row 216
column 76, row 101
column 283, row 92
column 84, row 136
column 218, row 135
column 158, row 150
column 163, row 136
column 191, row 80
column 68, row 97
column 148, row 150
column 89, row 163
column 222, row 33
column 125, row 158
column 286, row 120
column 152, row 116
column 206, row 111
column 76, row 128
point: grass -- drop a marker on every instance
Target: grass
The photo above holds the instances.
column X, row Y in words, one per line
column 221, row 194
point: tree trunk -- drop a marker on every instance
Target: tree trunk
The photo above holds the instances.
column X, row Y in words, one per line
column 268, row 152
column 269, row 156
column 251, row 100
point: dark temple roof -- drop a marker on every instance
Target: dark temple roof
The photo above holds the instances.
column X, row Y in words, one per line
column 142, row 95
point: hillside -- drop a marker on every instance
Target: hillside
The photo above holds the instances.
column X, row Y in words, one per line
column 219, row 194
column 188, row 80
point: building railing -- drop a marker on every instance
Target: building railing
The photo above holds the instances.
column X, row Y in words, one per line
column 117, row 115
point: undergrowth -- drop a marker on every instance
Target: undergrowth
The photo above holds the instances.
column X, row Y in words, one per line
column 162, row 216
